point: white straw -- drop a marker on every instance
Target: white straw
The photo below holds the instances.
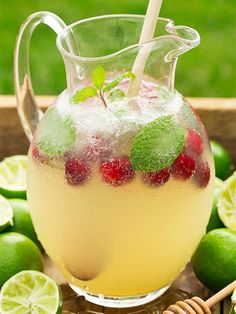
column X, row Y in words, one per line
column 147, row 33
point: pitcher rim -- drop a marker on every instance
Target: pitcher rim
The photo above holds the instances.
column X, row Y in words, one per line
column 170, row 28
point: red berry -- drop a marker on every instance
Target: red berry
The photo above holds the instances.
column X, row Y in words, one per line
column 117, row 171
column 37, row 154
column 156, row 178
column 97, row 149
column 35, row 151
column 194, row 143
column 183, row 167
column 203, row 174
column 77, row 171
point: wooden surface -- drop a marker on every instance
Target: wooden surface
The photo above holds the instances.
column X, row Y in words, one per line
column 217, row 114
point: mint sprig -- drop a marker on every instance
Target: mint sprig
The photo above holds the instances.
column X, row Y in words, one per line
column 117, row 94
column 84, row 93
column 99, row 77
column 99, row 89
column 117, row 80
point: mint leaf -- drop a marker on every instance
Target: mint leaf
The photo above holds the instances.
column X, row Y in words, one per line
column 116, row 95
column 84, row 93
column 157, row 145
column 99, row 77
column 119, row 112
column 116, row 81
column 56, row 134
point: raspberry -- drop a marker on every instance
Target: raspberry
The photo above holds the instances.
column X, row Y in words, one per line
column 117, row 171
column 77, row 171
column 37, row 155
column 194, row 143
column 183, row 167
column 156, row 178
column 203, row 174
column 35, row 151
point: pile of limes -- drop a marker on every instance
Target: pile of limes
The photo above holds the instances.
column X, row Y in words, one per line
column 214, row 261
column 24, row 288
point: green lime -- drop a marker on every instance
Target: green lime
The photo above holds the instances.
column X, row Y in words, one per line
column 218, row 185
column 55, row 134
column 157, row 145
column 223, row 162
column 30, row 292
column 13, row 176
column 214, row 221
column 22, row 222
column 17, row 253
column 6, row 213
column 227, row 202
column 214, row 261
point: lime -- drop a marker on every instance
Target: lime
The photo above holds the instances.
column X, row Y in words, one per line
column 214, row 261
column 17, row 253
column 22, row 222
column 223, row 162
column 227, row 202
column 55, row 134
column 157, row 145
column 214, row 221
column 30, row 292
column 6, row 213
column 218, row 185
column 13, row 176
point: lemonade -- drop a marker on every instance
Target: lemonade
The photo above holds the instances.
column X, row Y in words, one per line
column 113, row 228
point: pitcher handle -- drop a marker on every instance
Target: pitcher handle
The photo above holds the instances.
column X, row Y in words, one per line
column 28, row 110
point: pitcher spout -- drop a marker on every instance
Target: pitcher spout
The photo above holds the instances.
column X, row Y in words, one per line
column 184, row 39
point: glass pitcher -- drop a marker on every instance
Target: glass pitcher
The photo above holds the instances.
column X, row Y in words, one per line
column 119, row 183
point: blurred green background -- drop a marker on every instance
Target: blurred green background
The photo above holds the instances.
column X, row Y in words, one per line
column 206, row 71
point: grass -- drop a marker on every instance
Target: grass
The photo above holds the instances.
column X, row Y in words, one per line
column 207, row 71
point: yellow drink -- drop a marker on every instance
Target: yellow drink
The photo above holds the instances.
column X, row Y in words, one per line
column 120, row 197
column 123, row 241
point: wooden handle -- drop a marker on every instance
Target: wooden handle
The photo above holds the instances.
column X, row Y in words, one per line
column 197, row 306
column 222, row 294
